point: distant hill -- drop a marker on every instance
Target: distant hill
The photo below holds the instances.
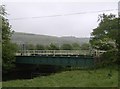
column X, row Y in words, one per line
column 28, row 38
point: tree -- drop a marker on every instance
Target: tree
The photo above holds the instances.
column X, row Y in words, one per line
column 31, row 47
column 40, row 47
column 85, row 46
column 118, row 40
column 8, row 48
column 66, row 47
column 53, row 47
column 76, row 46
column 105, row 37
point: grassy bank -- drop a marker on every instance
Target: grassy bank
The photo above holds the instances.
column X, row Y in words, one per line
column 74, row 78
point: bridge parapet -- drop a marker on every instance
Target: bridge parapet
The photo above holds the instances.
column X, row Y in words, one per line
column 59, row 52
column 97, row 53
column 52, row 52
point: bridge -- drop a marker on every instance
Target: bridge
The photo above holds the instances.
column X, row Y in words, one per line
column 75, row 58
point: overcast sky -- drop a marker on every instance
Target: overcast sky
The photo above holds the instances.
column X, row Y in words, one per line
column 57, row 18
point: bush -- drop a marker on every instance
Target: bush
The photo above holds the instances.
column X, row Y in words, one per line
column 109, row 57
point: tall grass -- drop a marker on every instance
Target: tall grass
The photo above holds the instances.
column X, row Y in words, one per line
column 73, row 78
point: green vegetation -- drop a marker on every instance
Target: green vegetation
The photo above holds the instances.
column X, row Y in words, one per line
column 28, row 46
column 105, row 37
column 66, row 47
column 53, row 47
column 74, row 46
column 40, row 47
column 75, row 78
column 85, row 46
column 8, row 48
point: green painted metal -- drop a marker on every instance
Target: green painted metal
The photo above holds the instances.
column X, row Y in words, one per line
column 80, row 61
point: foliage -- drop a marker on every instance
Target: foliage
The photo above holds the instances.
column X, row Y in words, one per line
column 53, row 47
column 85, row 46
column 66, row 47
column 40, row 47
column 8, row 53
column 105, row 37
column 76, row 46
column 8, row 48
column 110, row 55
column 30, row 47
column 118, row 40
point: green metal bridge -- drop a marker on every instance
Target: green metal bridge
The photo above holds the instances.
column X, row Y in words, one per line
column 74, row 58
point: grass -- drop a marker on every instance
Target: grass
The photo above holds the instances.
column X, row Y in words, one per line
column 0, row 84
column 74, row 78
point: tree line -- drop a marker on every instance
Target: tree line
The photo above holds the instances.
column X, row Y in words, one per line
column 52, row 46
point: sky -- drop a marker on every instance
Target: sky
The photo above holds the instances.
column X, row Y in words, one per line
column 57, row 18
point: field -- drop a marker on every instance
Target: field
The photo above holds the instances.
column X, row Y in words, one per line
column 74, row 78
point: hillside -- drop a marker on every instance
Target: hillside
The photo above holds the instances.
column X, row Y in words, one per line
column 19, row 37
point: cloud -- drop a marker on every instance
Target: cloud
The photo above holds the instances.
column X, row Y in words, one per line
column 79, row 25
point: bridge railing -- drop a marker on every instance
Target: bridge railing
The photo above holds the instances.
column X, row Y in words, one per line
column 59, row 52
column 52, row 52
column 97, row 52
